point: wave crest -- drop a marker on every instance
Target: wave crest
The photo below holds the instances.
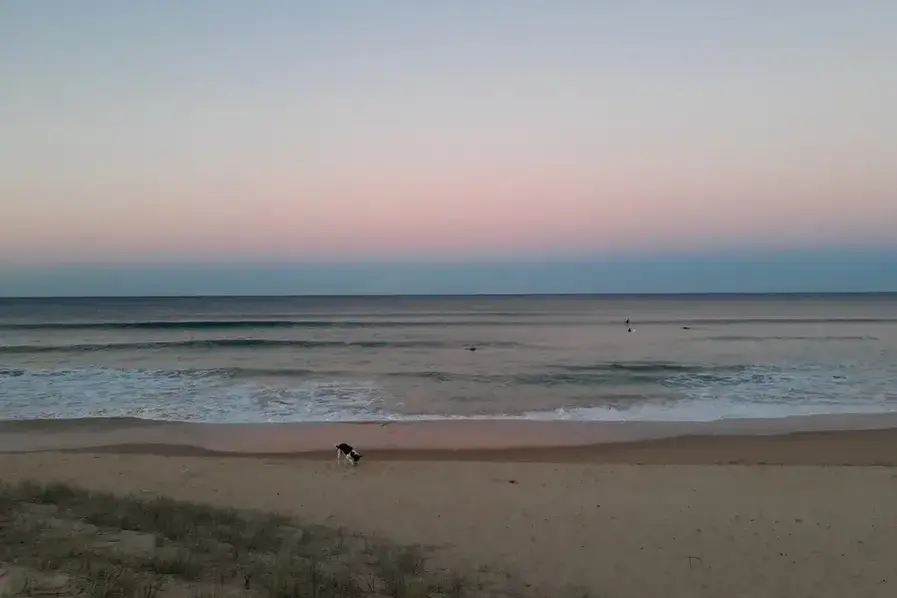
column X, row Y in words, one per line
column 237, row 343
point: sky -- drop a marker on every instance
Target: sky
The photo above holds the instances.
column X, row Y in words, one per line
column 302, row 146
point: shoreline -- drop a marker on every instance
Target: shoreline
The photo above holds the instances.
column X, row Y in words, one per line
column 865, row 448
column 798, row 441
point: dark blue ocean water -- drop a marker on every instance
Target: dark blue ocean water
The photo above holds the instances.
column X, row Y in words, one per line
column 284, row 359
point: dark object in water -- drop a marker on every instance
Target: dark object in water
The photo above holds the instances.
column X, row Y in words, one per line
column 686, row 328
column 471, row 348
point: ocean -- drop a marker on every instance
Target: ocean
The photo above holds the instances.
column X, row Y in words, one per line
column 315, row 359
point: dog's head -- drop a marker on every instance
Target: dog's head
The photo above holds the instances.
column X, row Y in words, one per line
column 355, row 456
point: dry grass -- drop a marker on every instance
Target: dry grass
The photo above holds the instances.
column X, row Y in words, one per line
column 60, row 540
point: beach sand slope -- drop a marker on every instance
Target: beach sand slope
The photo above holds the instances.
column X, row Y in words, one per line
column 620, row 530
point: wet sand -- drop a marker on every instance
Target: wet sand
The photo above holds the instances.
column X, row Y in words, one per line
column 459, row 438
column 702, row 516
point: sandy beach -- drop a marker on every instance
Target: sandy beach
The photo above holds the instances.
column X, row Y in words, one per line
column 681, row 517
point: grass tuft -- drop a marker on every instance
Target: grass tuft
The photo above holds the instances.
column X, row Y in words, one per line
column 63, row 540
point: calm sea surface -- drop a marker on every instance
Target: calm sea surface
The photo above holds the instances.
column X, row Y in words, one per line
column 253, row 360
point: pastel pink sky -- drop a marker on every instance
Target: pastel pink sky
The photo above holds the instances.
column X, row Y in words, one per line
column 210, row 130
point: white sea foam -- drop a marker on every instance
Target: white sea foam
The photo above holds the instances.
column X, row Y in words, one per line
column 172, row 396
column 753, row 393
column 707, row 411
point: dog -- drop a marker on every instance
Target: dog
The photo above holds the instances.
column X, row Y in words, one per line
column 347, row 452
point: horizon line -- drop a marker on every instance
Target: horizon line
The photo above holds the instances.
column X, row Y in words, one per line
column 792, row 294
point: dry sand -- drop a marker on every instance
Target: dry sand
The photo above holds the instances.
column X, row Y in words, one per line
column 679, row 525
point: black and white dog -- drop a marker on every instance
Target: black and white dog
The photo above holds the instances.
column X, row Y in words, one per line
column 347, row 452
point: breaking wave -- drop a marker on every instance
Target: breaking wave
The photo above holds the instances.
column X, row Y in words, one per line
column 237, row 395
column 423, row 320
